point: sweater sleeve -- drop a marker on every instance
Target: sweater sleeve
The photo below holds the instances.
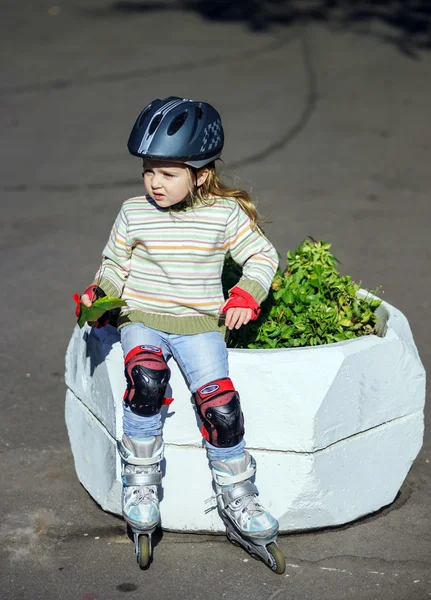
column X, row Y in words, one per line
column 116, row 258
column 251, row 249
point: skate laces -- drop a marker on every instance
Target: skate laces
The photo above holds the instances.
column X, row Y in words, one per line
column 144, row 494
column 249, row 504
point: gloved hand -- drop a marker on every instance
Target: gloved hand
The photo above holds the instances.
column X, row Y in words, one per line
column 240, row 307
column 90, row 295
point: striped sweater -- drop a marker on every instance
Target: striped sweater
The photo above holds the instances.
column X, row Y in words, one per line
column 167, row 265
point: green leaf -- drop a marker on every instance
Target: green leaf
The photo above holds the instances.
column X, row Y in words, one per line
column 287, row 332
column 288, row 297
column 97, row 309
column 339, row 337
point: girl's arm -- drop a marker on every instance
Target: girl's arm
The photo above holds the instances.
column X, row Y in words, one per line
column 117, row 254
column 254, row 252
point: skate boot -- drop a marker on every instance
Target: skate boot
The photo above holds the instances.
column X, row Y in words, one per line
column 140, row 503
column 247, row 523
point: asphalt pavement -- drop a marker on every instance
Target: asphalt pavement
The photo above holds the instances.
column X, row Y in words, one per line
column 330, row 129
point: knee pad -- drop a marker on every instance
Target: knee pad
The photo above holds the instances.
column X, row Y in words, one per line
column 220, row 409
column 147, row 376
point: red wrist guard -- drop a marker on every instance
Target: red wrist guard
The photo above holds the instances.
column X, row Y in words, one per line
column 94, row 292
column 239, row 298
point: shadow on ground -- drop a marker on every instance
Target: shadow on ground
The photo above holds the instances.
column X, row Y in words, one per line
column 407, row 22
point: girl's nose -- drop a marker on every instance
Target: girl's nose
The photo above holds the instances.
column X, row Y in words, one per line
column 155, row 181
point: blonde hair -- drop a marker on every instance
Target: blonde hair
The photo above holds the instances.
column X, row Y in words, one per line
column 212, row 187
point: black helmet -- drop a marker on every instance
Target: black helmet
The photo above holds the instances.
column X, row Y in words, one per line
column 178, row 130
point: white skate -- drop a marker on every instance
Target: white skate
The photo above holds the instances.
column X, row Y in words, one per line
column 140, row 503
column 247, row 523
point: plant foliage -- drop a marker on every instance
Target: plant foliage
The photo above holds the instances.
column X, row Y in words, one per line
column 96, row 310
column 308, row 305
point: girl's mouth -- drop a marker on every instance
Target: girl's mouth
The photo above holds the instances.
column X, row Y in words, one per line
column 157, row 196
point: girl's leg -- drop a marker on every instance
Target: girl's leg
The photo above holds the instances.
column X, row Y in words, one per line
column 203, row 358
column 134, row 425
column 141, row 447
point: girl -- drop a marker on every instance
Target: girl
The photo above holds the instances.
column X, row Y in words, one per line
column 164, row 257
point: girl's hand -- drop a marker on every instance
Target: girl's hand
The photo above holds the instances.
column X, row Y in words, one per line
column 86, row 300
column 90, row 295
column 236, row 317
column 240, row 308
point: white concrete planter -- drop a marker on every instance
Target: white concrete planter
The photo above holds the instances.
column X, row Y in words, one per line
column 343, row 424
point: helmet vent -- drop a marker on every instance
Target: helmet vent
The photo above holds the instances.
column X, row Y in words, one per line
column 177, row 123
column 154, row 124
column 143, row 115
column 199, row 112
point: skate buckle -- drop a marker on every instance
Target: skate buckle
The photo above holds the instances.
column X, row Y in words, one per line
column 212, row 499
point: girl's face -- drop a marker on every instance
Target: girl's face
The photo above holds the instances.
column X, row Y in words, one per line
column 168, row 183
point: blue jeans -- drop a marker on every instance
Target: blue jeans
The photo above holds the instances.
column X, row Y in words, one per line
column 201, row 357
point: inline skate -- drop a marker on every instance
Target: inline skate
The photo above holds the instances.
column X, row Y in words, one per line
column 141, row 475
column 247, row 523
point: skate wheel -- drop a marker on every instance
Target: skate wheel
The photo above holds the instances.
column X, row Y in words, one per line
column 279, row 561
column 233, row 540
column 143, row 554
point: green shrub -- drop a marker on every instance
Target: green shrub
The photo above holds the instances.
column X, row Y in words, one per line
column 309, row 304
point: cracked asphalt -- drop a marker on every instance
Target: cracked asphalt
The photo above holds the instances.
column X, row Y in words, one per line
column 330, row 129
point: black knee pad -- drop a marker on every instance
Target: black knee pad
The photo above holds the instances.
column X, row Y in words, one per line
column 147, row 376
column 220, row 409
